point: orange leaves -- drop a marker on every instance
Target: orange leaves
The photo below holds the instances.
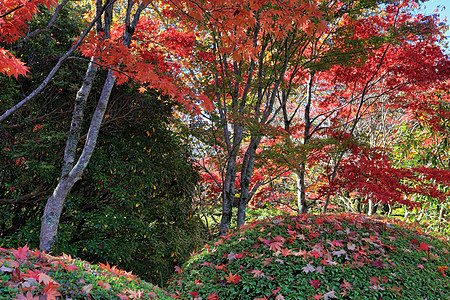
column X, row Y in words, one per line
column 10, row 65
column 232, row 278
column 51, row 291
column 442, row 269
column 15, row 14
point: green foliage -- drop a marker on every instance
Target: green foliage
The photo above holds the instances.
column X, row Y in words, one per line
column 324, row 256
column 132, row 206
column 31, row 274
column 32, row 140
column 142, row 217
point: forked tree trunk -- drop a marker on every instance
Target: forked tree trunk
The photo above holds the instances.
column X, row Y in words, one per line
column 55, row 204
column 228, row 196
column 246, row 175
column 71, row 174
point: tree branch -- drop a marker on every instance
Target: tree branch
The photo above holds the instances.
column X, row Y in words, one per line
column 56, row 67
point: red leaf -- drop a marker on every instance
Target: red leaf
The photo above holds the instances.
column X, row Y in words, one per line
column 315, row 283
column 276, row 246
column 213, row 296
column 424, row 247
column 21, row 253
column 233, row 278
column 51, row 291
column 346, row 285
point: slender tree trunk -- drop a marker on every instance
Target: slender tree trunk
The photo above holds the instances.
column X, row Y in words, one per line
column 229, row 180
column 301, row 190
column 246, row 175
column 370, row 209
column 55, row 204
column 441, row 215
column 301, row 201
column 228, row 196
column 406, row 212
column 77, row 119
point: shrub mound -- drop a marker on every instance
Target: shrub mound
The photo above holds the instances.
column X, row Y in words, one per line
column 32, row 275
column 319, row 257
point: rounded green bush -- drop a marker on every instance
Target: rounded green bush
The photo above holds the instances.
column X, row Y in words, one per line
column 319, row 257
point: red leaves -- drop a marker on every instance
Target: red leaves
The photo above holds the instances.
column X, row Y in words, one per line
column 315, row 283
column 213, row 296
column 233, row 278
column 50, row 290
column 442, row 269
column 12, row 26
column 424, row 247
column 28, row 296
column 21, row 253
column 346, row 285
column 275, row 246
column 10, row 65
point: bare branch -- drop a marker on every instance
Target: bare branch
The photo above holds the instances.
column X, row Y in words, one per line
column 49, row 25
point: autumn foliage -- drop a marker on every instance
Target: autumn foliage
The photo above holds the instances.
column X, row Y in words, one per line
column 14, row 15
column 318, row 257
column 32, row 275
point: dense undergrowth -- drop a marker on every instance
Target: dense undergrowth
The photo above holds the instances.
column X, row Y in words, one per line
column 288, row 257
column 319, row 257
column 32, row 275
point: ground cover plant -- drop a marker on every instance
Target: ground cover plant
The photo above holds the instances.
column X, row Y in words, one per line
column 340, row 256
column 34, row 275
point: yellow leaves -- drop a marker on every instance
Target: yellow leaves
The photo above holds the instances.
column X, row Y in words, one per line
column 142, row 89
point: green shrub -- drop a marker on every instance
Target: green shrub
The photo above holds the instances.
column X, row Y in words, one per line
column 319, row 257
column 33, row 275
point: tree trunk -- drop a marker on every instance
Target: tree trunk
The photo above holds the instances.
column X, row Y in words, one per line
column 301, row 201
column 370, row 208
column 301, row 191
column 77, row 119
column 228, row 196
column 55, row 204
column 441, row 215
column 246, row 175
column 229, row 180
